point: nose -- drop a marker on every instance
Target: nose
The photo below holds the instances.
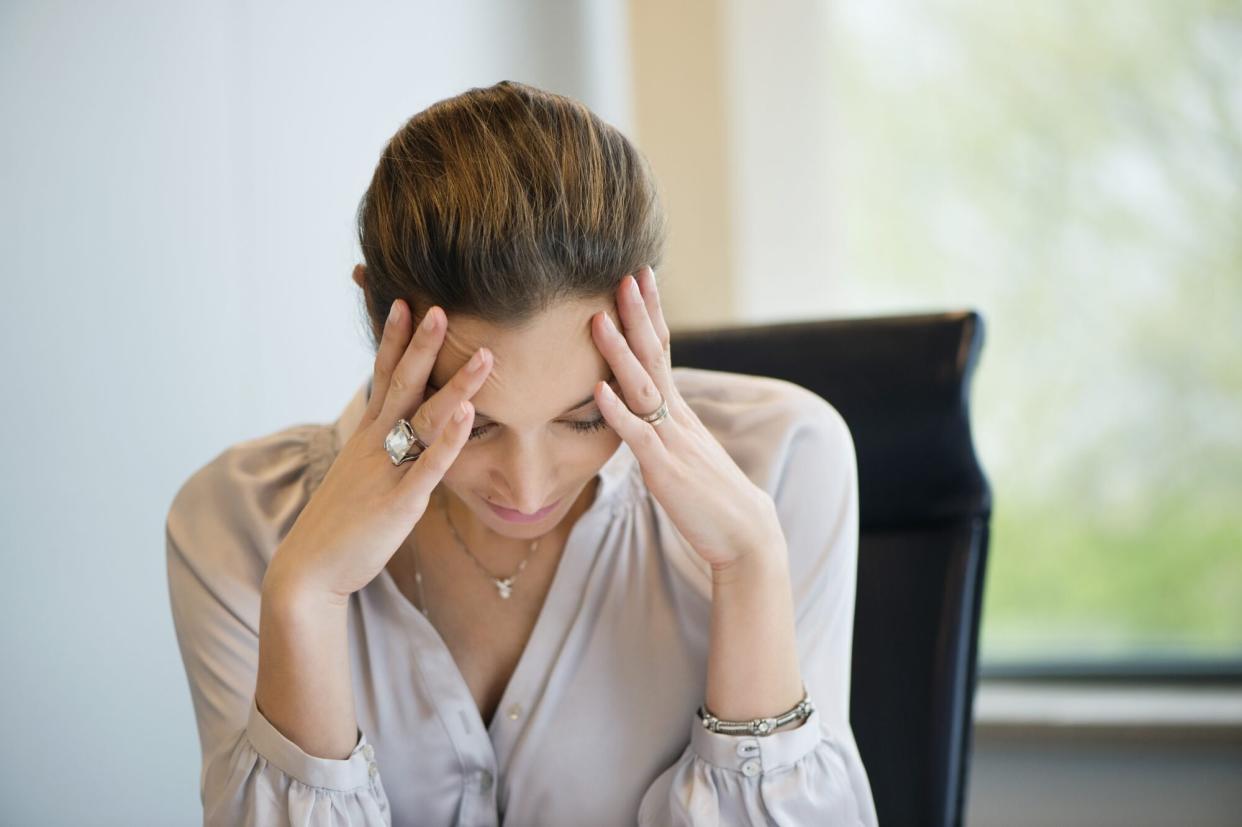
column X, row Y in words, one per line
column 525, row 468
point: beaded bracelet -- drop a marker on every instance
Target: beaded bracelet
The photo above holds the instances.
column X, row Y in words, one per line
column 757, row 726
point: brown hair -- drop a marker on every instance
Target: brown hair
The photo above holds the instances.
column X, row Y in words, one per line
column 501, row 201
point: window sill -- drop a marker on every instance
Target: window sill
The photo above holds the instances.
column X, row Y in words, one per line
column 1010, row 707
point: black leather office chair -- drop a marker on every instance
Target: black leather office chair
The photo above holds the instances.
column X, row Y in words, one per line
column 902, row 383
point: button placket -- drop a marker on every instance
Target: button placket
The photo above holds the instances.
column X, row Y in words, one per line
column 749, row 757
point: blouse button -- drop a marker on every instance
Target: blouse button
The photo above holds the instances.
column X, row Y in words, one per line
column 515, row 712
column 368, row 751
column 485, row 781
column 747, row 747
column 751, row 768
column 372, row 769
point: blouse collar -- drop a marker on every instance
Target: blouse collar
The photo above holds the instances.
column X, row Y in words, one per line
column 617, row 475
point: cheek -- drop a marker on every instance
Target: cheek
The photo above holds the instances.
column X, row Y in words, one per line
column 603, row 446
column 464, row 469
column 609, row 441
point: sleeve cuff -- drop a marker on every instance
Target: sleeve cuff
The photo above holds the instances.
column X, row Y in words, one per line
column 753, row 755
column 334, row 774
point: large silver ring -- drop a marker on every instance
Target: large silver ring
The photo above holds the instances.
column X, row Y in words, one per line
column 399, row 442
column 658, row 415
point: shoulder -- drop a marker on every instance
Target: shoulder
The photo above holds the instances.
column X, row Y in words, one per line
column 772, row 428
column 231, row 512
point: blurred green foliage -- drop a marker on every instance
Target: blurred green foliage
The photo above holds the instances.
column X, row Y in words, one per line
column 1074, row 172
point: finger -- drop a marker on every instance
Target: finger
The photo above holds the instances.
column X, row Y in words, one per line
column 435, row 413
column 651, row 295
column 393, row 341
column 434, row 462
column 641, row 336
column 406, row 386
column 642, row 437
column 638, row 387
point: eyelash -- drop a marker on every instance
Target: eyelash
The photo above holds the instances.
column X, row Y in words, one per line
column 582, row 427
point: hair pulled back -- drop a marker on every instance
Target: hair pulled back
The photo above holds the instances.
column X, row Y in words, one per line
column 502, row 201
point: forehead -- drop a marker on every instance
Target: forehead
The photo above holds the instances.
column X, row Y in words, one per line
column 538, row 369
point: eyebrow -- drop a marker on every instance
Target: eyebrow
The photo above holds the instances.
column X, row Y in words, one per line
column 433, row 388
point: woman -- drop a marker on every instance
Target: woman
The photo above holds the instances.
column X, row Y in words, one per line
column 531, row 568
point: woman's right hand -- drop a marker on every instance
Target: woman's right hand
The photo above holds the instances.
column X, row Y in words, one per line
column 366, row 507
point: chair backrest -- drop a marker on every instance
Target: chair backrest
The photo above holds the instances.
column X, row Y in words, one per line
column 902, row 383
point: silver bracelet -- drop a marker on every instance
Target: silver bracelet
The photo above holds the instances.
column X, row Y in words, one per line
column 757, row 726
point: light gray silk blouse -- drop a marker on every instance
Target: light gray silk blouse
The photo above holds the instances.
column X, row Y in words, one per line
column 597, row 725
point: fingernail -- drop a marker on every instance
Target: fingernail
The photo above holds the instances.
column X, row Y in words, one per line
column 394, row 312
column 461, row 413
column 429, row 322
column 476, row 361
column 633, row 288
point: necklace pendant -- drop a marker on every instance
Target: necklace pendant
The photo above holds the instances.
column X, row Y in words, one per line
column 506, row 587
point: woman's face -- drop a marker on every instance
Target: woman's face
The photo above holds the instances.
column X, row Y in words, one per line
column 538, row 437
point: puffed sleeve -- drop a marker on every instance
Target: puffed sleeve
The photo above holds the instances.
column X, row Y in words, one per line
column 811, row 774
column 222, row 529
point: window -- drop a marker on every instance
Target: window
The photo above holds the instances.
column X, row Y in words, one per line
column 1072, row 171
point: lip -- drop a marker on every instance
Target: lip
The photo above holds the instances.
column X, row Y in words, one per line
column 512, row 516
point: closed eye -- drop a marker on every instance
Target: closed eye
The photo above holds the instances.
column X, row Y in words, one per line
column 584, row 426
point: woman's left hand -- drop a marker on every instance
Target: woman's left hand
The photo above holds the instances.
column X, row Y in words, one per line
column 721, row 513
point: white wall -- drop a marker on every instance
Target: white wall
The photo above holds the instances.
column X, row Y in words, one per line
column 178, row 183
